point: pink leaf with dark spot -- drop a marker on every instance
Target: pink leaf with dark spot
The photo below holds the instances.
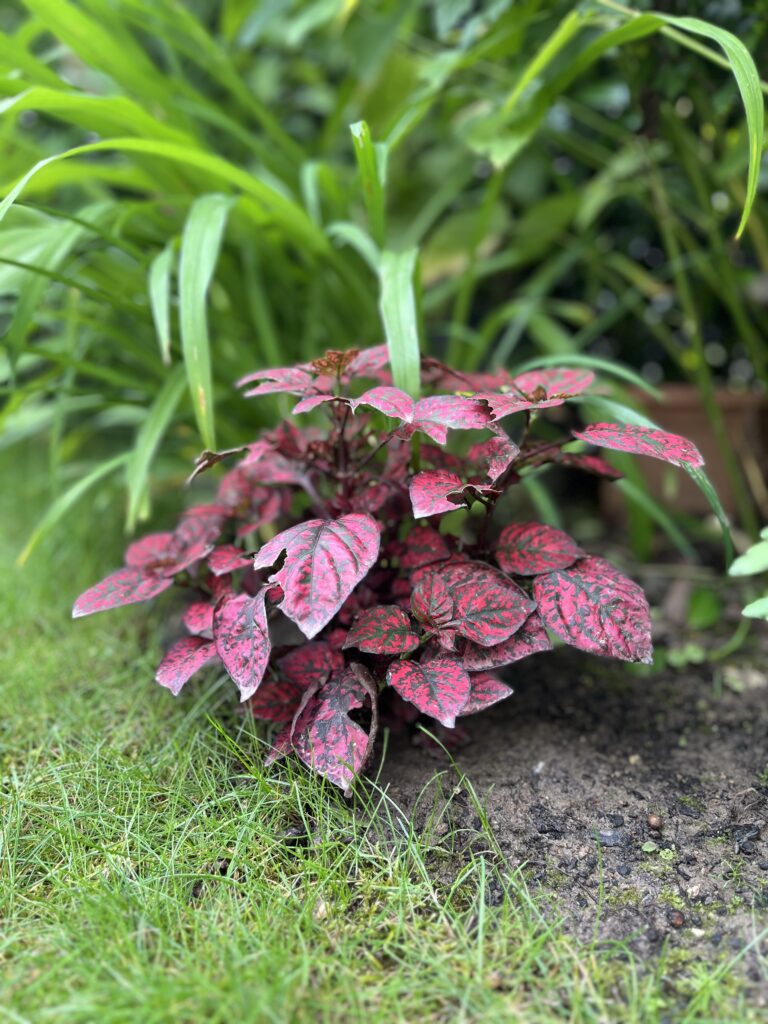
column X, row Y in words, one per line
column 326, row 739
column 539, row 389
column 496, row 454
column 594, row 607
column 242, row 640
column 382, row 630
column 423, row 545
column 276, row 700
column 453, row 411
column 429, row 492
column 313, row 401
column 181, row 661
column 488, row 609
column 310, row 664
column 325, row 560
column 526, row 549
column 370, row 362
column 126, row 586
column 642, row 441
column 289, row 379
column 431, row 601
column 198, row 619
column 391, row 401
column 435, row 431
column 274, row 467
column 485, row 691
column 531, row 638
column 196, row 533
column 150, row 551
column 227, row 558
column 439, row 688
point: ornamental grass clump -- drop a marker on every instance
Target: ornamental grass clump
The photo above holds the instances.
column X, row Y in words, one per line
column 319, row 577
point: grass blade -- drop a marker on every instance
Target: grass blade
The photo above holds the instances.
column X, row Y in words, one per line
column 748, row 81
column 269, row 206
column 159, row 285
column 147, row 440
column 200, row 244
column 371, row 161
column 400, row 317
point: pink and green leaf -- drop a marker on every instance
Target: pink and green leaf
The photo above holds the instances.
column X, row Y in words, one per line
column 125, row 586
column 624, row 437
column 385, row 629
column 531, row 638
column 181, row 661
column 594, row 607
column 526, row 549
column 242, row 640
column 431, row 601
column 324, row 562
column 439, row 688
column 486, row 690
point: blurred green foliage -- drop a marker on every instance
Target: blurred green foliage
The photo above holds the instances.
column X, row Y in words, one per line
column 186, row 202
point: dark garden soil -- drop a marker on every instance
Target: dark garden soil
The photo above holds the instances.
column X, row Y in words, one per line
column 638, row 805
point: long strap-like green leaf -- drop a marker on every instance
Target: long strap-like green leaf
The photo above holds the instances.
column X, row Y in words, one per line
column 200, row 245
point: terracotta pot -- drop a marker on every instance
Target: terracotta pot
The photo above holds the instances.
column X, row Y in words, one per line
column 681, row 412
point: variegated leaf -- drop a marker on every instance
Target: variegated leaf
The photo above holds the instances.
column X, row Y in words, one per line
column 242, row 640
column 431, row 601
column 308, row 664
column 429, row 490
column 624, row 437
column 526, row 549
column 488, row 609
column 531, row 638
column 326, row 739
column 539, row 389
column 276, row 700
column 126, row 586
column 486, row 690
column 181, row 661
column 454, row 411
column 227, row 558
column 198, row 619
column 439, row 688
column 291, row 379
column 423, row 546
column 151, row 552
column 594, row 607
column 495, row 455
column 325, row 560
column 391, row 401
column 385, row 629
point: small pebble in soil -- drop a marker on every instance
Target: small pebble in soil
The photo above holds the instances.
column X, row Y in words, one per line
column 611, row 838
column 747, row 847
column 683, row 873
column 676, row 918
column 616, row 820
column 763, row 865
column 655, row 821
column 624, row 870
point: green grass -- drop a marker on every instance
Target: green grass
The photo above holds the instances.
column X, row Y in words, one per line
column 151, row 870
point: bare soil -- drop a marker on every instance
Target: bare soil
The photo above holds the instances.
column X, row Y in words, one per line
column 638, row 805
